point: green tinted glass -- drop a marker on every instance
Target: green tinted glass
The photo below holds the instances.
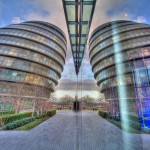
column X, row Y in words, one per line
column 70, row 12
column 78, row 28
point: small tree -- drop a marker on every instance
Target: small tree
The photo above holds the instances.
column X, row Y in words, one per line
column 67, row 100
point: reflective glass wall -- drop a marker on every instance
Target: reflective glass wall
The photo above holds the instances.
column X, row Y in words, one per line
column 120, row 59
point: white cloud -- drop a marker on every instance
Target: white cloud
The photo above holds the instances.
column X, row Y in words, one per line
column 17, row 20
column 55, row 13
column 141, row 19
column 101, row 12
column 126, row 15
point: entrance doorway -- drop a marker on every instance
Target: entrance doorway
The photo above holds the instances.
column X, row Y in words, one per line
column 76, row 105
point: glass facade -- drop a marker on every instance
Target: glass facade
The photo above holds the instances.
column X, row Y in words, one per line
column 79, row 16
column 119, row 55
column 32, row 55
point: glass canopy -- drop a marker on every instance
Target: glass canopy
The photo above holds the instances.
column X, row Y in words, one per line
column 78, row 15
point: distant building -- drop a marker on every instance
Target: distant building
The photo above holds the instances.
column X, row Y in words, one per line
column 120, row 59
column 32, row 56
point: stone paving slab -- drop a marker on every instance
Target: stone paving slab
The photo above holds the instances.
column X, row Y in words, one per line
column 99, row 134
column 68, row 130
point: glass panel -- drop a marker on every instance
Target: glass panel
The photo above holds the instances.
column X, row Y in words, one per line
column 72, row 29
column 84, row 28
column 70, row 12
column 74, row 48
column 70, row 8
column 83, row 40
column 81, row 48
column 74, row 54
column 73, row 40
column 80, row 55
column 87, row 9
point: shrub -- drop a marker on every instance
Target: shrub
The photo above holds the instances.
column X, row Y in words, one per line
column 7, row 112
column 51, row 112
column 133, row 117
column 48, row 113
column 14, row 117
column 132, row 120
column 103, row 114
column 32, row 124
column 18, row 123
column 17, row 120
column 134, row 123
column 40, row 116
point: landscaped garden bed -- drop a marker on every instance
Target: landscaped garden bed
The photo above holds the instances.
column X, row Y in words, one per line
column 133, row 124
column 24, row 121
column 33, row 124
column 8, row 112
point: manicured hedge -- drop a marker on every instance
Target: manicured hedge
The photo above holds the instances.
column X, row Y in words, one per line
column 18, row 120
column 33, row 124
column 14, row 117
column 18, row 123
column 40, row 116
column 133, row 117
column 134, row 124
column 132, row 120
column 48, row 113
column 103, row 114
column 7, row 112
column 51, row 112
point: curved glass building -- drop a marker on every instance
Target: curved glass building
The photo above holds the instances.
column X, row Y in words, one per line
column 32, row 56
column 120, row 59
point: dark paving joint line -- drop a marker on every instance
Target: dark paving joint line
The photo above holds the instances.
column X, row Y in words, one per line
column 77, row 133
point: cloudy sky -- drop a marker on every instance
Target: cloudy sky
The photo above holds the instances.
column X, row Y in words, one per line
column 16, row 11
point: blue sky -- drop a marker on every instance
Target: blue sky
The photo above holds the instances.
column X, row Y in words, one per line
column 16, row 11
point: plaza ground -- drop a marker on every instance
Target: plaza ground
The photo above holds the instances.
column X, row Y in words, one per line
column 68, row 130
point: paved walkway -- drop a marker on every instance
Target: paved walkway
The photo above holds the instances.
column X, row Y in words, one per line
column 68, row 130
